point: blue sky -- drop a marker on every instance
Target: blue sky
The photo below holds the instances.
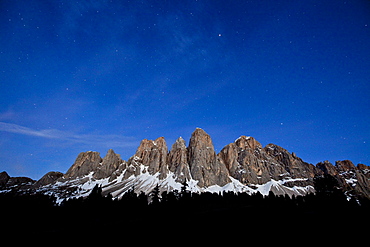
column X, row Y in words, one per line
column 94, row 75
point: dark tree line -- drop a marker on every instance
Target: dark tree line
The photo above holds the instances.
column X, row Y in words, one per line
column 38, row 213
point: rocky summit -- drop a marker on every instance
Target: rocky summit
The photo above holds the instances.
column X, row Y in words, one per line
column 243, row 166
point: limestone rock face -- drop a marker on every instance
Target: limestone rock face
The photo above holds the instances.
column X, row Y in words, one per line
column 4, row 178
column 204, row 166
column 248, row 142
column 109, row 164
column 364, row 169
column 362, row 186
column 246, row 161
column 294, row 165
column 249, row 163
column 48, row 178
column 151, row 154
column 351, row 179
column 85, row 163
column 327, row 168
column 345, row 166
column 178, row 161
column 354, row 180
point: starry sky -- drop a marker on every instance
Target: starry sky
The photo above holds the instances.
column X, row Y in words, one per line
column 93, row 75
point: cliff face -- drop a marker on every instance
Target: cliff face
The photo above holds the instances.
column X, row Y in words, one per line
column 203, row 162
column 250, row 163
column 85, row 163
column 245, row 160
column 354, row 181
column 178, row 161
column 151, row 157
column 241, row 166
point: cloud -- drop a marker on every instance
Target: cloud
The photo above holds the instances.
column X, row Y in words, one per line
column 18, row 129
column 99, row 140
column 9, row 114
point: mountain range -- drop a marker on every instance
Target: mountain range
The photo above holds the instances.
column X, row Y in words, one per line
column 243, row 166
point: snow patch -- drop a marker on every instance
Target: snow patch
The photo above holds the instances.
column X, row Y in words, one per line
column 145, row 182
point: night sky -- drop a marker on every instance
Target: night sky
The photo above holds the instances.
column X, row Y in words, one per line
column 93, row 75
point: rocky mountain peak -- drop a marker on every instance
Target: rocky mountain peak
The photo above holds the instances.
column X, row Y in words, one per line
column 179, row 143
column 247, row 142
column 4, row 177
column 345, row 165
column 351, row 179
column 199, row 139
column 144, row 145
column 363, row 167
column 294, row 165
column 178, row 161
column 327, row 168
column 48, row 178
column 151, row 154
column 161, row 144
column 204, row 166
column 110, row 163
column 84, row 164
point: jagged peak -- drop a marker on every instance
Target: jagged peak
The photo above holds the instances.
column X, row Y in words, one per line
column 242, row 137
column 180, row 142
column 244, row 142
column 84, row 163
column 243, row 160
column 344, row 165
column 110, row 154
column 199, row 135
column 274, row 149
column 160, row 141
column 145, row 144
column 363, row 167
column 180, row 139
column 199, row 132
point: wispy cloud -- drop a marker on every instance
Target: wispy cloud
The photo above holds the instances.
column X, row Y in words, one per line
column 101, row 140
column 9, row 114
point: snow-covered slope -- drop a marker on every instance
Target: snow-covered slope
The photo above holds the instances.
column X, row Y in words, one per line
column 145, row 183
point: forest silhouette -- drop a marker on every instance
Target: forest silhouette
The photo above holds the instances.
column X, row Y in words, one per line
column 38, row 213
